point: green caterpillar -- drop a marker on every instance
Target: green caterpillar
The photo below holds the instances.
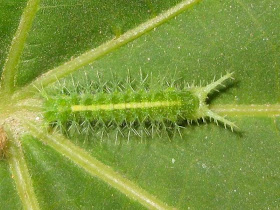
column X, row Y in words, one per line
column 132, row 110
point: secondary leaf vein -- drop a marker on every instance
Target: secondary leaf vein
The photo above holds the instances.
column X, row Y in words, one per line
column 17, row 45
column 94, row 54
column 95, row 167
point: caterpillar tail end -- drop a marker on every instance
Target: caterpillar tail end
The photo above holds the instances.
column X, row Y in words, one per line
column 212, row 115
column 215, row 84
column 217, row 118
column 203, row 92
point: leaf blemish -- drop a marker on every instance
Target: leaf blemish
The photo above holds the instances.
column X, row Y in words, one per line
column 3, row 141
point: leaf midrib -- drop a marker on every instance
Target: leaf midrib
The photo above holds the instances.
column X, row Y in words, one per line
column 252, row 110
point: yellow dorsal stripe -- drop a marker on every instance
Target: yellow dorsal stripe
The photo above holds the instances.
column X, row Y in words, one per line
column 133, row 105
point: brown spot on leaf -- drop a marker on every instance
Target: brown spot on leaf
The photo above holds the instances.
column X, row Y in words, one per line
column 3, row 140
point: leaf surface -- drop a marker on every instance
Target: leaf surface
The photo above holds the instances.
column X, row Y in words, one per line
column 210, row 167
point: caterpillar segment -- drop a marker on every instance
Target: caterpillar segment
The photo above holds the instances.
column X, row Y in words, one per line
column 132, row 110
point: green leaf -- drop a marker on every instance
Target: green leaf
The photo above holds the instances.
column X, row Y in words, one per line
column 209, row 167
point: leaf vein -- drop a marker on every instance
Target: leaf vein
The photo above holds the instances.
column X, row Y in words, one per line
column 17, row 46
column 88, row 57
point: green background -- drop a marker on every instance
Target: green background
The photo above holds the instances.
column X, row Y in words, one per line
column 214, row 168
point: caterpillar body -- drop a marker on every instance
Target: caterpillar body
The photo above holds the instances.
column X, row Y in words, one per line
column 132, row 110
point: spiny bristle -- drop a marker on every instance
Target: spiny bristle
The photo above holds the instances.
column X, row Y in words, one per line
column 146, row 82
column 221, row 119
column 212, row 86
